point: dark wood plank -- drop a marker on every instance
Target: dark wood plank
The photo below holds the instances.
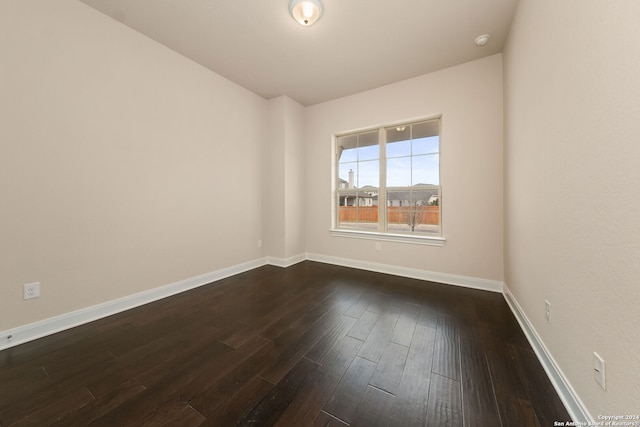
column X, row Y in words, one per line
column 358, row 308
column 15, row 377
column 376, row 342
column 510, row 391
column 108, row 402
column 325, row 420
column 301, row 319
column 215, row 371
column 364, row 325
column 374, row 409
column 539, row 387
column 269, row 409
column 225, row 385
column 521, row 410
column 444, row 407
column 55, row 407
column 81, row 366
column 208, row 401
column 345, row 399
column 189, row 366
column 278, row 310
column 151, row 358
column 167, row 415
column 446, row 360
column 323, row 348
column 381, row 303
column 428, row 314
column 332, row 322
column 403, row 332
column 305, row 408
column 164, row 385
column 410, row 406
column 238, row 405
column 478, row 397
column 390, row 368
column 34, row 397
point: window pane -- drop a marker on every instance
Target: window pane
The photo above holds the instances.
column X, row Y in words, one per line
column 423, row 197
column 398, row 133
column 370, row 152
column 398, row 203
column 398, row 149
column 426, row 145
column 399, row 198
column 368, row 148
column 425, row 129
column 346, row 174
column 347, row 197
column 426, row 170
column 348, row 215
column 399, row 172
column 368, row 174
column 398, row 220
column 347, row 148
column 412, row 211
column 357, row 210
column 368, row 218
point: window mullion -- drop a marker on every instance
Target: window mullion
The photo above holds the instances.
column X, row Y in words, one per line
column 382, row 188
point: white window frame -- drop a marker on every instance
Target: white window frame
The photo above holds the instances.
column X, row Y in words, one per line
column 381, row 235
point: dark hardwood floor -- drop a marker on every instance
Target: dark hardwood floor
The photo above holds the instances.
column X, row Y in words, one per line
column 311, row 345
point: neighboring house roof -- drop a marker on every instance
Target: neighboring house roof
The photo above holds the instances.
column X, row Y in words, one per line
column 417, row 195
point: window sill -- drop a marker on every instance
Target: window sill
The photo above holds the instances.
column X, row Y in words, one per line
column 388, row 237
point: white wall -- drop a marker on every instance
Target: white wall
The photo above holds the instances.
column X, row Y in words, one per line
column 283, row 181
column 572, row 200
column 295, row 184
column 469, row 98
column 123, row 165
column 273, row 223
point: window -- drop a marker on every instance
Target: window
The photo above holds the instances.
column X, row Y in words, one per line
column 388, row 181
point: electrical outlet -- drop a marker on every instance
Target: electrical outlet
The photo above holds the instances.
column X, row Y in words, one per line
column 378, row 246
column 547, row 310
column 599, row 370
column 32, row 290
column 259, row 243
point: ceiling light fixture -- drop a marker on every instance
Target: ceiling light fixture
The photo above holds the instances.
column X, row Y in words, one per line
column 482, row 40
column 306, row 12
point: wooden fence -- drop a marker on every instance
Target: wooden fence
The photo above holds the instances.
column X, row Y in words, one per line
column 395, row 214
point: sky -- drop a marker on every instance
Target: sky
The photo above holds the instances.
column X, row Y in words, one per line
column 409, row 162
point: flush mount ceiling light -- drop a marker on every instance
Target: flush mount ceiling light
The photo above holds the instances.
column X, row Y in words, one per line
column 482, row 40
column 306, row 12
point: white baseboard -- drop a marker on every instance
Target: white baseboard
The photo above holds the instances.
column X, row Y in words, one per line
column 569, row 397
column 449, row 279
column 52, row 325
column 286, row 262
column 32, row 331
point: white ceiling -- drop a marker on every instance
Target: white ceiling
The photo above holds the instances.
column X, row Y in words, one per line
column 357, row 44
